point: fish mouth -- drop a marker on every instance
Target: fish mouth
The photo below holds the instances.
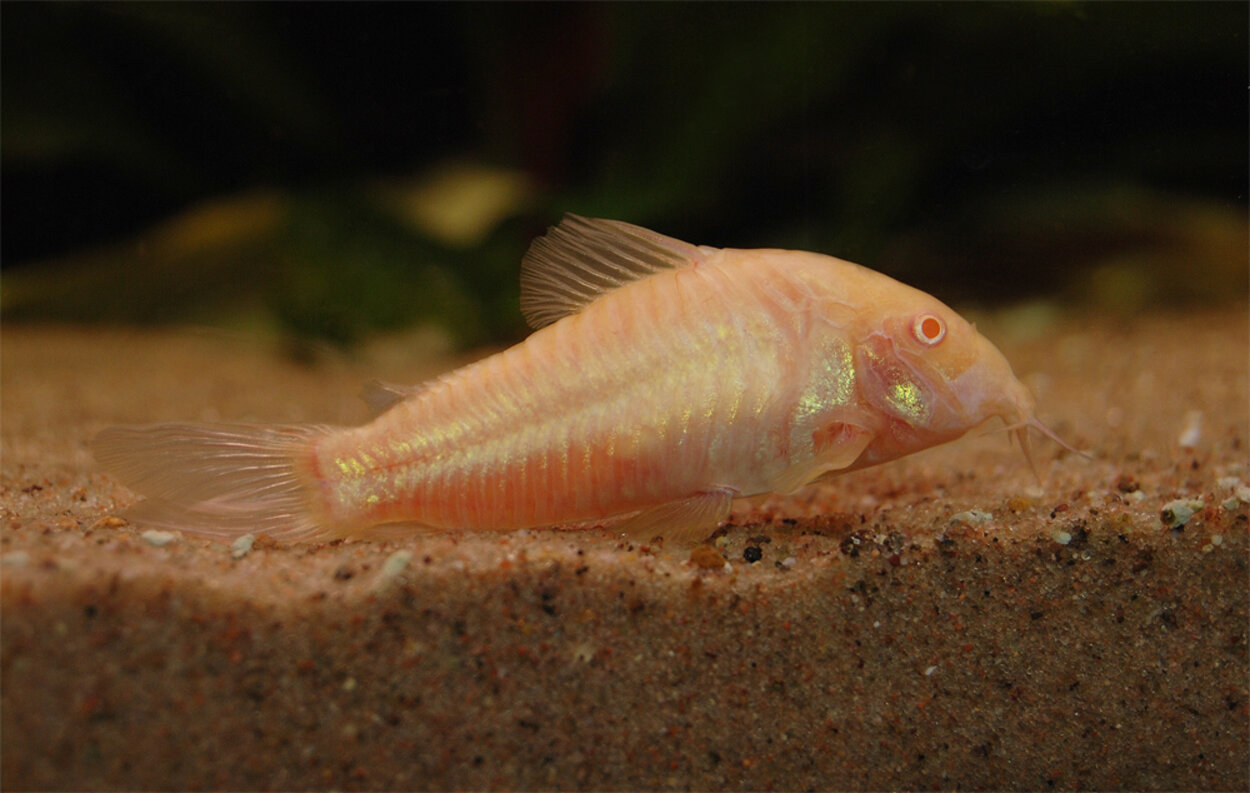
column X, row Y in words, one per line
column 1015, row 405
column 989, row 389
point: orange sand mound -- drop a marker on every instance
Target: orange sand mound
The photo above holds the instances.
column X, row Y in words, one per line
column 939, row 622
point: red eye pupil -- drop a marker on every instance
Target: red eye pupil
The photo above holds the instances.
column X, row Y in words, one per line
column 930, row 328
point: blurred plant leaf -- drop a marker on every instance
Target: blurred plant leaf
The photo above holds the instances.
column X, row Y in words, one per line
column 348, row 269
column 458, row 202
column 983, row 151
column 206, row 261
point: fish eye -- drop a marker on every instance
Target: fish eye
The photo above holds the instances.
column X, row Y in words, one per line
column 928, row 329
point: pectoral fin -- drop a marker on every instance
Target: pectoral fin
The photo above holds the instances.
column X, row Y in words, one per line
column 688, row 519
column 838, row 445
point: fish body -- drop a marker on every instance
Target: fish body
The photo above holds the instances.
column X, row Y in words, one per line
column 663, row 381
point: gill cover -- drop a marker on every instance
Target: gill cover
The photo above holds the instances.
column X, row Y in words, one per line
column 892, row 385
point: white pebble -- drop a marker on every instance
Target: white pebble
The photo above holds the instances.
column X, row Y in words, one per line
column 1191, row 433
column 240, row 547
column 1178, row 513
column 971, row 517
column 929, row 672
column 393, row 566
column 158, row 538
column 583, row 653
column 16, row 559
column 1061, row 537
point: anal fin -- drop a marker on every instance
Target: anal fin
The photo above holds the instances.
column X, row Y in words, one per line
column 687, row 519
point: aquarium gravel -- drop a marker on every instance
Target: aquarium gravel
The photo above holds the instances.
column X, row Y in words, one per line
column 944, row 621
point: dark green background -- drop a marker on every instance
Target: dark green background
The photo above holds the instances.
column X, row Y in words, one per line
column 989, row 153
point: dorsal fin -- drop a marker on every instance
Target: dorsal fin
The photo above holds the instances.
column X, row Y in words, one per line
column 582, row 258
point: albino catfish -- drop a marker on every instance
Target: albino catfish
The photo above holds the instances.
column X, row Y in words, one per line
column 663, row 381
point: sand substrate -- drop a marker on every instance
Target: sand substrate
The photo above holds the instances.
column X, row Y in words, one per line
column 942, row 622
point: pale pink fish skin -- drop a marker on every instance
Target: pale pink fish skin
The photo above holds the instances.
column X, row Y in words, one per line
column 685, row 381
column 660, row 389
column 665, row 381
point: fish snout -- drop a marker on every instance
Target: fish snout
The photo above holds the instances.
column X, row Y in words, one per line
column 990, row 389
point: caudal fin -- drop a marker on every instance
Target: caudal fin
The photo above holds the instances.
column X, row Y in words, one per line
column 221, row 480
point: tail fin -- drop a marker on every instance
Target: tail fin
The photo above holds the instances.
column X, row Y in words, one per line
column 221, row 480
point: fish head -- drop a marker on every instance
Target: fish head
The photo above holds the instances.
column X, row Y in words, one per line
column 933, row 376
